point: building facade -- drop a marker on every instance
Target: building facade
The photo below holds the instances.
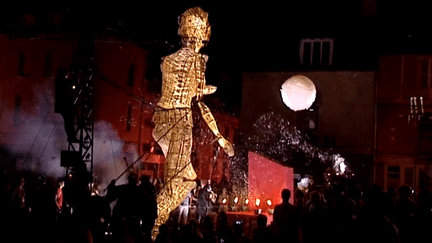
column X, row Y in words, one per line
column 403, row 122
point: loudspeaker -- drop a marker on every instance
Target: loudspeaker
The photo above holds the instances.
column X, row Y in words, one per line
column 70, row 158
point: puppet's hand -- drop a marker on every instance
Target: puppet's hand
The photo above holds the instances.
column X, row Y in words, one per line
column 227, row 146
column 209, row 89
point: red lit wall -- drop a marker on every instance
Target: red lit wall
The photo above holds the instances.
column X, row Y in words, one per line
column 267, row 179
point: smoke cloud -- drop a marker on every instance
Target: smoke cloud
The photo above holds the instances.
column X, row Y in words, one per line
column 35, row 144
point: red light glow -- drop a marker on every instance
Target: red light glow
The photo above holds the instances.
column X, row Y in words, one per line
column 267, row 179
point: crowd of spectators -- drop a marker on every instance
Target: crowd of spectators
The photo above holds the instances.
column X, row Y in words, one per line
column 36, row 208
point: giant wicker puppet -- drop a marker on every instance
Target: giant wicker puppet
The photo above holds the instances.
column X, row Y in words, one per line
column 183, row 82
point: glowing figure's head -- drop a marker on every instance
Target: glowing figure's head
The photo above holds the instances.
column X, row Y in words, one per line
column 194, row 28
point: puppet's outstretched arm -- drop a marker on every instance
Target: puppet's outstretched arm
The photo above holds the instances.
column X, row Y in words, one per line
column 211, row 122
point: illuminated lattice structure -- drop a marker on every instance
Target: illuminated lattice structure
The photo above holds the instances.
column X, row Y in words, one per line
column 183, row 80
column 193, row 23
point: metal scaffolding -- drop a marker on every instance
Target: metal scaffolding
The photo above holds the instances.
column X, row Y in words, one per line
column 82, row 72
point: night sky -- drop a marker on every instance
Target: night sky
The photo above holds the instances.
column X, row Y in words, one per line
column 244, row 31
column 249, row 37
column 236, row 28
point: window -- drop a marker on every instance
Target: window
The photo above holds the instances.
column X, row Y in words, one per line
column 394, row 174
column 316, row 52
column 131, row 75
column 129, row 118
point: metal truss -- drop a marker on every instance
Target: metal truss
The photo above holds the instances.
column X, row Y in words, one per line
column 82, row 70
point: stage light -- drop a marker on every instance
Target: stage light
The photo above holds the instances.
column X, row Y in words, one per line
column 73, row 87
column 257, row 202
column 224, row 201
column 246, row 202
column 236, row 200
column 298, row 92
column 269, row 202
column 258, row 210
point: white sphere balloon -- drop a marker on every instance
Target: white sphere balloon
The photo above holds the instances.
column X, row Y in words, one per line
column 298, row 92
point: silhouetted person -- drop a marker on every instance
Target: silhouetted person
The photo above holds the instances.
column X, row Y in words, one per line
column 189, row 233
column 300, row 200
column 374, row 198
column 163, row 236
column 391, row 199
column 148, row 206
column 59, row 197
column 286, row 220
column 203, row 202
column 423, row 219
column 76, row 190
column 19, row 196
column 262, row 234
column 238, row 236
column 128, row 209
column 223, row 230
column 184, row 207
column 208, row 231
column 18, row 216
column 315, row 219
column 405, row 210
column 374, row 225
column 99, row 215
column 343, row 211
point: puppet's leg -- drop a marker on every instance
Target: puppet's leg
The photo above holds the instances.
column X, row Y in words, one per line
column 178, row 171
